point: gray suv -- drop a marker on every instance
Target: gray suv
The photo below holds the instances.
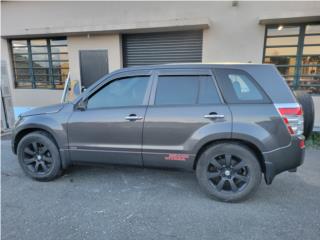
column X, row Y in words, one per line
column 230, row 123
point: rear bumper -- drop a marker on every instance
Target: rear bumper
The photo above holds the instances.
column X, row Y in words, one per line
column 283, row 159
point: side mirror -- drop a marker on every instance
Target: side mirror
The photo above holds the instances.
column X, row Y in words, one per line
column 82, row 105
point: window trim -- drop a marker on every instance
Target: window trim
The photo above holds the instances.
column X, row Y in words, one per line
column 105, row 83
column 296, row 83
column 228, row 91
column 52, row 81
column 203, row 72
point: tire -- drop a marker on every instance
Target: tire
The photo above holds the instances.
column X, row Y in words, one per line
column 215, row 175
column 307, row 104
column 39, row 157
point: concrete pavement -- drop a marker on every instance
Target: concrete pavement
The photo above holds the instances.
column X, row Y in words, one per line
column 132, row 203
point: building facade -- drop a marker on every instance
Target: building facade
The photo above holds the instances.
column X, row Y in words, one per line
column 42, row 42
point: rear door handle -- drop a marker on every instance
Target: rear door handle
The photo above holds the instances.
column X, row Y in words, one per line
column 214, row 116
column 133, row 117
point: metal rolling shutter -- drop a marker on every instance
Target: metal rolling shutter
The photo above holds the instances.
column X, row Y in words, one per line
column 160, row 48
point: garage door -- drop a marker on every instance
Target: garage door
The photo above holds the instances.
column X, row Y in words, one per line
column 160, row 48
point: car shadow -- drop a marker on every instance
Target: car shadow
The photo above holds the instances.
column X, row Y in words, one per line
column 286, row 187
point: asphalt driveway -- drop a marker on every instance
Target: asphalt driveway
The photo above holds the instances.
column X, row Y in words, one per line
column 132, row 203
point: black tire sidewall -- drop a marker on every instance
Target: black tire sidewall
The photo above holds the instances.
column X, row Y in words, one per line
column 306, row 101
column 46, row 141
column 237, row 150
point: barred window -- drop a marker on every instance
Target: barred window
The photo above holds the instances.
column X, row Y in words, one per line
column 40, row 63
column 295, row 50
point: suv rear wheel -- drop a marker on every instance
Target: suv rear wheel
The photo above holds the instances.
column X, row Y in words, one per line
column 228, row 172
column 39, row 156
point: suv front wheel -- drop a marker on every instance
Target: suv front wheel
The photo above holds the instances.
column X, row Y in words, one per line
column 228, row 172
column 39, row 156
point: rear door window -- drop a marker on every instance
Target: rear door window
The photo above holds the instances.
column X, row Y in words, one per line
column 208, row 93
column 177, row 90
column 186, row 90
column 239, row 87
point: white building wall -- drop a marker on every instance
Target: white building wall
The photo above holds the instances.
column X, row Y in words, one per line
column 234, row 33
column 110, row 42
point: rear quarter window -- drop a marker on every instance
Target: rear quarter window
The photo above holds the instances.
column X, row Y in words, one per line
column 239, row 87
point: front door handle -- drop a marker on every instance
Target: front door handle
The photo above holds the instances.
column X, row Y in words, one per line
column 133, row 117
column 214, row 116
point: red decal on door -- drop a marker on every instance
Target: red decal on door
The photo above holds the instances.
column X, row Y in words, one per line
column 177, row 157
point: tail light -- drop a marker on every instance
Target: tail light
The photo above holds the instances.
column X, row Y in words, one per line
column 301, row 143
column 292, row 116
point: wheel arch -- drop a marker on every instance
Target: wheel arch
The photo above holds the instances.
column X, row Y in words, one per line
column 250, row 145
column 23, row 132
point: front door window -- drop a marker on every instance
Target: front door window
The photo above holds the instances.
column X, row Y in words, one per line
column 120, row 93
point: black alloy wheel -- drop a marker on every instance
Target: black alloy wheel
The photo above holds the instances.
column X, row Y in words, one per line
column 37, row 158
column 228, row 173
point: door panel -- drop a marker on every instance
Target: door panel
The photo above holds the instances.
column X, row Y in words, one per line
column 109, row 129
column 172, row 133
column 185, row 111
column 105, row 135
